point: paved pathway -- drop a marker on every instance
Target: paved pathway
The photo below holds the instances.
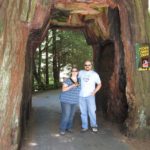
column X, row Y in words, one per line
column 43, row 132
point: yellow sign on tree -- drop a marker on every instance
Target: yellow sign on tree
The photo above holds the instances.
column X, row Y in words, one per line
column 142, row 57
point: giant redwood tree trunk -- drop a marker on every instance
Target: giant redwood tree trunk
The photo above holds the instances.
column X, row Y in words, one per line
column 23, row 25
column 126, row 89
column 135, row 22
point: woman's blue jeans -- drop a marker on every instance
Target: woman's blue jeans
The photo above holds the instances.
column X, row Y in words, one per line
column 88, row 108
column 68, row 112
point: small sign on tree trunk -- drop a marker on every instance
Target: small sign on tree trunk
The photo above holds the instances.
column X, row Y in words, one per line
column 142, row 57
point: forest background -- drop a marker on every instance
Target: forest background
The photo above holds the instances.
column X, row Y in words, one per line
column 60, row 50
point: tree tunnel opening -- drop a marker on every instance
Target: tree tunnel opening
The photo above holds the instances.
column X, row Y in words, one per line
column 108, row 58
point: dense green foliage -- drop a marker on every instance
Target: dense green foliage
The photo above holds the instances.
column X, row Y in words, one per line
column 76, row 48
column 60, row 50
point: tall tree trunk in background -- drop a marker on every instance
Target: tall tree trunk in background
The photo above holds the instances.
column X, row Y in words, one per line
column 46, row 62
column 33, row 87
column 37, row 77
column 59, row 53
column 39, row 62
column 55, row 60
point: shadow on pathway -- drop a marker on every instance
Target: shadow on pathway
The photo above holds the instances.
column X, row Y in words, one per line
column 43, row 130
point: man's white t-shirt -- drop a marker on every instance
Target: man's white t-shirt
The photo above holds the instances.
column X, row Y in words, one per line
column 88, row 81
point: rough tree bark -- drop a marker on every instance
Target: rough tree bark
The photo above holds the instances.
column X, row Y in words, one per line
column 128, row 88
column 17, row 20
column 135, row 22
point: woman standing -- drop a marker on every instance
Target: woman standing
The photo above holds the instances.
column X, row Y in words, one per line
column 69, row 100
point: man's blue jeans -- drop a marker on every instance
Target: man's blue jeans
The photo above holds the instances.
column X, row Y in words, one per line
column 68, row 112
column 88, row 107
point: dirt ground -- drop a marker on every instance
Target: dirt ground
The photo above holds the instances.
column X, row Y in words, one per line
column 43, row 130
column 135, row 143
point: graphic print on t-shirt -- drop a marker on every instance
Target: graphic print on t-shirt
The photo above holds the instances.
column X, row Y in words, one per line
column 86, row 78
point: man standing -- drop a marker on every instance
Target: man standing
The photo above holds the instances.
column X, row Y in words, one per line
column 90, row 84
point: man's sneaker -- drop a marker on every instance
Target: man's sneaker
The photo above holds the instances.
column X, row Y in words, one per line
column 62, row 132
column 84, row 129
column 94, row 129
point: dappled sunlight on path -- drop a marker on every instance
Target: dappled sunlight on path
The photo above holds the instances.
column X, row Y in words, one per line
column 43, row 130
